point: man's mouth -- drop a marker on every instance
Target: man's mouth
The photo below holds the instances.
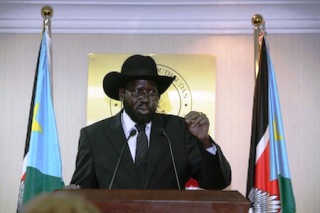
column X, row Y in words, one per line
column 143, row 110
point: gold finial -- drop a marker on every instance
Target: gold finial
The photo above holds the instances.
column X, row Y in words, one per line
column 46, row 12
column 257, row 20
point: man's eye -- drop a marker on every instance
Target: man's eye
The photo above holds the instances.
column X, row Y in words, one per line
column 152, row 92
column 140, row 92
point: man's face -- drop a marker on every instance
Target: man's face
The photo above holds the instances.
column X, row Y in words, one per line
column 140, row 99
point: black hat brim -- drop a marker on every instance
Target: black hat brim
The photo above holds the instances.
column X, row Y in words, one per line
column 114, row 80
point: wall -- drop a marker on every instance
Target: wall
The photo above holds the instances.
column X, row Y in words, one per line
column 296, row 62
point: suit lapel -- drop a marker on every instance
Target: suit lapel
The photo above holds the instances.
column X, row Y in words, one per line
column 155, row 148
column 117, row 138
column 157, row 143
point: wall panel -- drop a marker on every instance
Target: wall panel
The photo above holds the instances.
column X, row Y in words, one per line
column 296, row 61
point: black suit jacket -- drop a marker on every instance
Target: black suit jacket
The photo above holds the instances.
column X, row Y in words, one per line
column 100, row 145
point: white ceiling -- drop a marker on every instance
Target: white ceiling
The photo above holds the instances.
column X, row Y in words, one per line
column 161, row 16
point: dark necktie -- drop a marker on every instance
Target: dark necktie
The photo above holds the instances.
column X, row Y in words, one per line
column 141, row 152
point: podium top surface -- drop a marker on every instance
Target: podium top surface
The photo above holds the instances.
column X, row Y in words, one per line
column 161, row 195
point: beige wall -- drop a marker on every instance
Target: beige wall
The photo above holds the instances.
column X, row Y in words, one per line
column 296, row 62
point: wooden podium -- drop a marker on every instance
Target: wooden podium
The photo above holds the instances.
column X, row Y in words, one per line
column 160, row 201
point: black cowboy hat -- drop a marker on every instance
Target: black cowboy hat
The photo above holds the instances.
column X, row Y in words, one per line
column 134, row 68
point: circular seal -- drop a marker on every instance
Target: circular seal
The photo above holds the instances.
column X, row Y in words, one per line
column 177, row 100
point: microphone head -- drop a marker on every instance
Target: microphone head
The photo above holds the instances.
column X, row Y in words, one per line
column 162, row 131
column 132, row 132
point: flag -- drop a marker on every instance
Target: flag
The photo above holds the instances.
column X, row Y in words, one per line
column 269, row 186
column 42, row 169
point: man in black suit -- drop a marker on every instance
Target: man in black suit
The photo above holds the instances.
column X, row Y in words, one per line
column 174, row 149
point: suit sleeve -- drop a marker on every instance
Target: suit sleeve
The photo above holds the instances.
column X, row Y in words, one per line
column 84, row 174
column 211, row 171
column 216, row 171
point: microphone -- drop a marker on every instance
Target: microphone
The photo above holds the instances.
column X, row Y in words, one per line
column 163, row 131
column 132, row 133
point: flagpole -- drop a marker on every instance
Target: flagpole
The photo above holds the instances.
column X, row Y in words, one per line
column 259, row 26
column 47, row 13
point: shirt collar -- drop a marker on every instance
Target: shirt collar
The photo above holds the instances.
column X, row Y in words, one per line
column 128, row 124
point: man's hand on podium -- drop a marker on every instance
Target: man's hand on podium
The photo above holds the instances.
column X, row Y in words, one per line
column 72, row 186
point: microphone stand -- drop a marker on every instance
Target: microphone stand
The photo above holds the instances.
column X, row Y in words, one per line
column 172, row 157
column 132, row 133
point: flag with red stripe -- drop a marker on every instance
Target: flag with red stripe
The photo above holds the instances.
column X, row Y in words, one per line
column 269, row 186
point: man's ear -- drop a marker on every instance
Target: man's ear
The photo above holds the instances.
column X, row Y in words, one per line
column 121, row 94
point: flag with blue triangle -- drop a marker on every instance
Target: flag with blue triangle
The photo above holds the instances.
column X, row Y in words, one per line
column 269, row 186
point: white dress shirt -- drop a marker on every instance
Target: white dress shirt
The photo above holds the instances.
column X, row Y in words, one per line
column 128, row 124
